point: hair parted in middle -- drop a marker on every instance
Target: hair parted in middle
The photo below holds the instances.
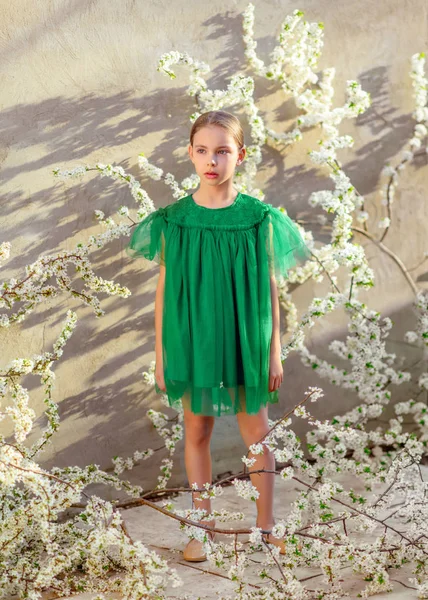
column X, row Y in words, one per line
column 223, row 119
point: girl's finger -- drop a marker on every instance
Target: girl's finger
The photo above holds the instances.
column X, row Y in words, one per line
column 274, row 383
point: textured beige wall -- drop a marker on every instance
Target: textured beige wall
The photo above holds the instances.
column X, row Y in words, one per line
column 79, row 84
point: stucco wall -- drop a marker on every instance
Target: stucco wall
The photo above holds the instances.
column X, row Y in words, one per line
column 79, row 85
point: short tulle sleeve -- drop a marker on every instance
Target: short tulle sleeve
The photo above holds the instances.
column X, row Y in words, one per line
column 148, row 238
column 284, row 244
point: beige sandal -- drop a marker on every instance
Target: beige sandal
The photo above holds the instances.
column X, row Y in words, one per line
column 274, row 541
column 194, row 551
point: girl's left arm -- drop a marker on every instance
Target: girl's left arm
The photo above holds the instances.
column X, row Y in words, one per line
column 276, row 336
column 275, row 364
column 275, row 340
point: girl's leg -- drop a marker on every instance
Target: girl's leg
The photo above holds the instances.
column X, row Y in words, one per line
column 197, row 457
column 197, row 453
column 252, row 428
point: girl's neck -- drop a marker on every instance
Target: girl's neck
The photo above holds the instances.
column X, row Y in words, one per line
column 212, row 197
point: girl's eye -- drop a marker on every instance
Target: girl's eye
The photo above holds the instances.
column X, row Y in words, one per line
column 199, row 150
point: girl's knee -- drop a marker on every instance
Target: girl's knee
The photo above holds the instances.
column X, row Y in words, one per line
column 253, row 427
column 256, row 436
column 198, row 429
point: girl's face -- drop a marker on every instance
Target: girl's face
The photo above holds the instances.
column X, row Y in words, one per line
column 214, row 150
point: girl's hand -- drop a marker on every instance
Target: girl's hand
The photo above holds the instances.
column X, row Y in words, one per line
column 160, row 380
column 275, row 369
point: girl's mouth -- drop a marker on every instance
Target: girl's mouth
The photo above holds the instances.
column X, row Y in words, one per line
column 211, row 175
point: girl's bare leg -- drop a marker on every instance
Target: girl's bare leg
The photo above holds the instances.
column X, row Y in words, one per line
column 197, row 457
column 197, row 452
column 252, row 428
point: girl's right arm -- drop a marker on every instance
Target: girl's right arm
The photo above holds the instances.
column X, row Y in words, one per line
column 158, row 313
column 159, row 300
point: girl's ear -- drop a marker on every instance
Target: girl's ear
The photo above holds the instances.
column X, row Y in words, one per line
column 241, row 153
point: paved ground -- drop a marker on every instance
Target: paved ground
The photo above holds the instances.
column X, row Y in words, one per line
column 162, row 534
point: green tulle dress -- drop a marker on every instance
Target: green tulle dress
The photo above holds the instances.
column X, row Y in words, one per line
column 217, row 314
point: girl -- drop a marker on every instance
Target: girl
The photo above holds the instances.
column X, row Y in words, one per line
column 216, row 307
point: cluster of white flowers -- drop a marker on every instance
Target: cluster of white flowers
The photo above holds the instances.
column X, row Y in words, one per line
column 33, row 290
column 225, row 515
column 122, row 464
column 249, row 462
column 5, row 251
column 299, row 45
column 287, row 473
column 385, row 222
column 148, row 169
column 212, row 491
column 420, row 113
column 421, row 588
column 300, row 411
column 420, row 131
column 245, row 489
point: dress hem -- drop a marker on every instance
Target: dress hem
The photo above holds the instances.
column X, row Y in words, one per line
column 224, row 403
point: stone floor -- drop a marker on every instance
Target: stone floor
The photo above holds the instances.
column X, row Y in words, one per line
column 160, row 533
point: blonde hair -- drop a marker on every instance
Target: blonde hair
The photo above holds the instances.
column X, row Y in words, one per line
column 222, row 118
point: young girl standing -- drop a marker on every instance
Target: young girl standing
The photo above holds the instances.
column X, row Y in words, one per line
column 217, row 317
